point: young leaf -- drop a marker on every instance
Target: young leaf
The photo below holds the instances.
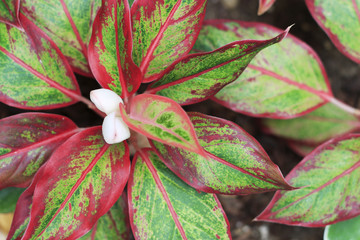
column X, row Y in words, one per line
column 9, row 10
column 349, row 229
column 235, row 163
column 110, row 49
column 26, row 142
column 264, row 5
column 328, row 187
column 8, row 198
column 40, row 75
column 301, row 149
column 81, row 181
column 180, row 211
column 340, row 21
column 283, row 81
column 164, row 31
column 161, row 119
column 68, row 23
column 199, row 76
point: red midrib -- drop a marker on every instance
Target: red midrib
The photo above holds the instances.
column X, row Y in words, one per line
column 8, row 8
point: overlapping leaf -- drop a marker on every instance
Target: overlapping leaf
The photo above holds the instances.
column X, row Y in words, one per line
column 110, row 49
column 33, row 72
column 235, row 163
column 163, row 207
column 164, row 31
column 329, row 190
column 283, row 81
column 341, row 22
column 26, row 141
column 82, row 180
column 68, row 23
column 9, row 10
column 349, row 229
column 161, row 119
column 200, row 76
column 8, row 199
column 264, row 5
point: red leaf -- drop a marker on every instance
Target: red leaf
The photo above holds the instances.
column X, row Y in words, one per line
column 264, row 5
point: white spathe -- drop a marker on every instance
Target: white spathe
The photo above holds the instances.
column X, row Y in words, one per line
column 106, row 100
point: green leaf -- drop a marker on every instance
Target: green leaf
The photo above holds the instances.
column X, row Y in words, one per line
column 68, row 23
column 9, row 10
column 328, row 182
column 349, row 230
column 164, row 207
column 283, row 81
column 40, row 75
column 8, row 199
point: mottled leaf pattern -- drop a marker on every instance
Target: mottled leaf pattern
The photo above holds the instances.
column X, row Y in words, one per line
column 235, row 163
column 349, row 229
column 200, row 76
column 164, row 31
column 40, row 75
column 164, row 207
column 161, row 119
column 264, row 5
column 68, row 23
column 110, row 49
column 8, row 199
column 69, row 195
column 329, row 190
column 283, row 81
column 9, row 12
column 341, row 22
column 26, row 141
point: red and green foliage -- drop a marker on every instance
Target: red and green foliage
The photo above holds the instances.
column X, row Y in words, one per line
column 140, row 50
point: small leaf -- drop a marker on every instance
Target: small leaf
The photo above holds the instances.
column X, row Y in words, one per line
column 200, row 76
column 8, row 199
column 9, row 10
column 27, row 141
column 340, row 21
column 110, row 49
column 349, row 230
column 163, row 207
column 161, row 119
column 40, row 75
column 328, row 187
column 235, row 164
column 164, row 31
column 264, row 5
column 68, row 23
column 283, row 81
column 81, row 181
column 301, row 149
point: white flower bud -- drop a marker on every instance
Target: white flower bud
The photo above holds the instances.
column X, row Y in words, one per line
column 106, row 100
column 114, row 129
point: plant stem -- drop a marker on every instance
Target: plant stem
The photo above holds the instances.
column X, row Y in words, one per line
column 345, row 107
column 90, row 105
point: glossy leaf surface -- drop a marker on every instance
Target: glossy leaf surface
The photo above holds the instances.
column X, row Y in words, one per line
column 110, row 49
column 8, row 199
column 235, row 163
column 283, row 81
column 9, row 12
column 81, row 181
column 164, row 31
column 200, row 76
column 40, row 75
column 349, row 229
column 316, row 127
column 161, row 119
column 264, row 5
column 27, row 141
column 341, row 22
column 164, row 207
column 68, row 23
column 328, row 187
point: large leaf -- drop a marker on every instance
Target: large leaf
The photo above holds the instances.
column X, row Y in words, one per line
column 235, row 163
column 68, row 23
column 264, row 5
column 110, row 49
column 283, row 81
column 33, row 72
column 316, row 127
column 341, row 22
column 349, row 230
column 161, row 119
column 26, row 142
column 200, row 76
column 81, row 181
column 329, row 190
column 8, row 199
column 164, row 31
column 164, row 207
column 9, row 10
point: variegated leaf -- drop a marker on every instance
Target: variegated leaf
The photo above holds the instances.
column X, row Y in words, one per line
column 264, row 5
column 8, row 198
column 9, row 10
column 283, row 81
column 27, row 141
column 164, row 207
column 235, row 164
column 68, row 23
column 349, row 229
column 328, row 187
column 81, row 181
column 33, row 72
column 110, row 49
column 164, row 31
